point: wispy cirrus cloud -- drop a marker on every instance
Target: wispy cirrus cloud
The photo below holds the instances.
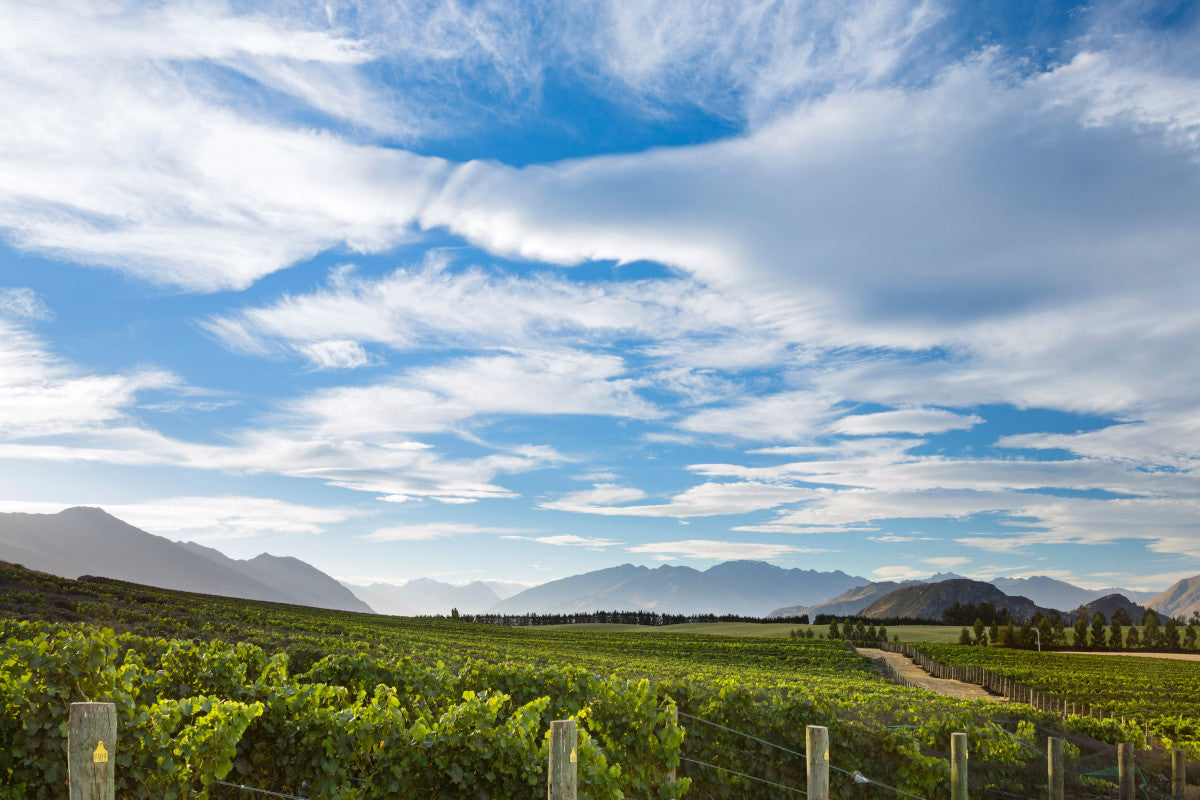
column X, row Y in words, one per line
column 570, row 540
column 907, row 420
column 208, row 518
column 420, row 532
column 709, row 549
column 707, row 499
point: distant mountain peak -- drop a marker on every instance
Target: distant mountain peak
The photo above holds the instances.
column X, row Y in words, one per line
column 748, row 587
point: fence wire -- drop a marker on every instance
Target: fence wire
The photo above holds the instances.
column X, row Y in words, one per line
column 744, row 775
column 259, row 791
column 854, row 775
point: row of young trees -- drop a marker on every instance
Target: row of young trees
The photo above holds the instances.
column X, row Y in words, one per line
column 857, row 631
column 1100, row 634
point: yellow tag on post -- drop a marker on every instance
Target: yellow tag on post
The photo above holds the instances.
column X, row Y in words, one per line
column 100, row 754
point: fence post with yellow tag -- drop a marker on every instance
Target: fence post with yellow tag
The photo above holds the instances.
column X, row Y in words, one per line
column 92, row 750
column 564, row 757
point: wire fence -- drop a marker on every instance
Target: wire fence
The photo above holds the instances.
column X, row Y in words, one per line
column 265, row 792
column 854, row 775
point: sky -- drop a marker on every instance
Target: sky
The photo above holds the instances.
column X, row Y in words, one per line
column 518, row 290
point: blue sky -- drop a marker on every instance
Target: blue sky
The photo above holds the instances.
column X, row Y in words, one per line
column 518, row 290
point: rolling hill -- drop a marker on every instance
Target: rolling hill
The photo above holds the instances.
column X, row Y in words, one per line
column 929, row 600
column 87, row 541
column 1108, row 605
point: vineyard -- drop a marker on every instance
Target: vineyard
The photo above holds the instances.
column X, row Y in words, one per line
column 346, row 706
column 1158, row 694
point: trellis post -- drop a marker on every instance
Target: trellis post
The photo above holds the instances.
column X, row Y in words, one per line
column 562, row 774
column 92, row 751
column 817, row 756
column 958, row 766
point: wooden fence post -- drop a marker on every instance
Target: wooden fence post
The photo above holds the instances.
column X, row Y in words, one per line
column 1056, row 768
column 958, row 766
column 1178, row 774
column 674, row 719
column 1125, row 770
column 563, row 771
column 92, row 751
column 817, row 755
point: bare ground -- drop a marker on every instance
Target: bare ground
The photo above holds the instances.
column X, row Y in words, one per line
column 918, row 677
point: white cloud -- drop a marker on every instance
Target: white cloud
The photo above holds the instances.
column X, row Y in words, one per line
column 432, row 530
column 900, row 573
column 788, row 416
column 707, row 499
column 436, row 306
column 21, row 303
column 335, row 354
column 752, row 59
column 40, row 395
column 601, row 494
column 947, row 562
column 707, row 549
column 908, row 420
column 893, row 538
column 50, row 412
column 569, row 540
column 209, row 518
column 444, row 397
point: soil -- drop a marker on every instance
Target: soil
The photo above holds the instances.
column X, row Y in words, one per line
column 918, row 677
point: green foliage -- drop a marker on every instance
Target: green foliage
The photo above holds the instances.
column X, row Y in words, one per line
column 1157, row 692
column 358, row 706
column 1080, row 640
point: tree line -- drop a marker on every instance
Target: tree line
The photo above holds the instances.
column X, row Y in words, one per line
column 1049, row 632
column 651, row 618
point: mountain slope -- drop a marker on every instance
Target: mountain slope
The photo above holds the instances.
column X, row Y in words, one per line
column 929, row 600
column 750, row 588
column 88, row 541
column 848, row 602
column 1108, row 605
column 1181, row 600
column 425, row 597
column 1053, row 593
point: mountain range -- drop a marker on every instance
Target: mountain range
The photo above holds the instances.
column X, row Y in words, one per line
column 427, row 597
column 750, row 588
column 1042, row 591
column 88, row 541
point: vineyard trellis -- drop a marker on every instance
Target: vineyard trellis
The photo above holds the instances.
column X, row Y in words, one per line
column 93, row 739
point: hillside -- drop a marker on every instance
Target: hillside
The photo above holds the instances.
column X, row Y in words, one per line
column 1053, row 593
column 929, row 600
column 750, row 588
column 1108, row 605
column 849, row 602
column 1181, row 600
column 88, row 541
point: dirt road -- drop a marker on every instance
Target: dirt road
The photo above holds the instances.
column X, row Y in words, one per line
column 918, row 677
